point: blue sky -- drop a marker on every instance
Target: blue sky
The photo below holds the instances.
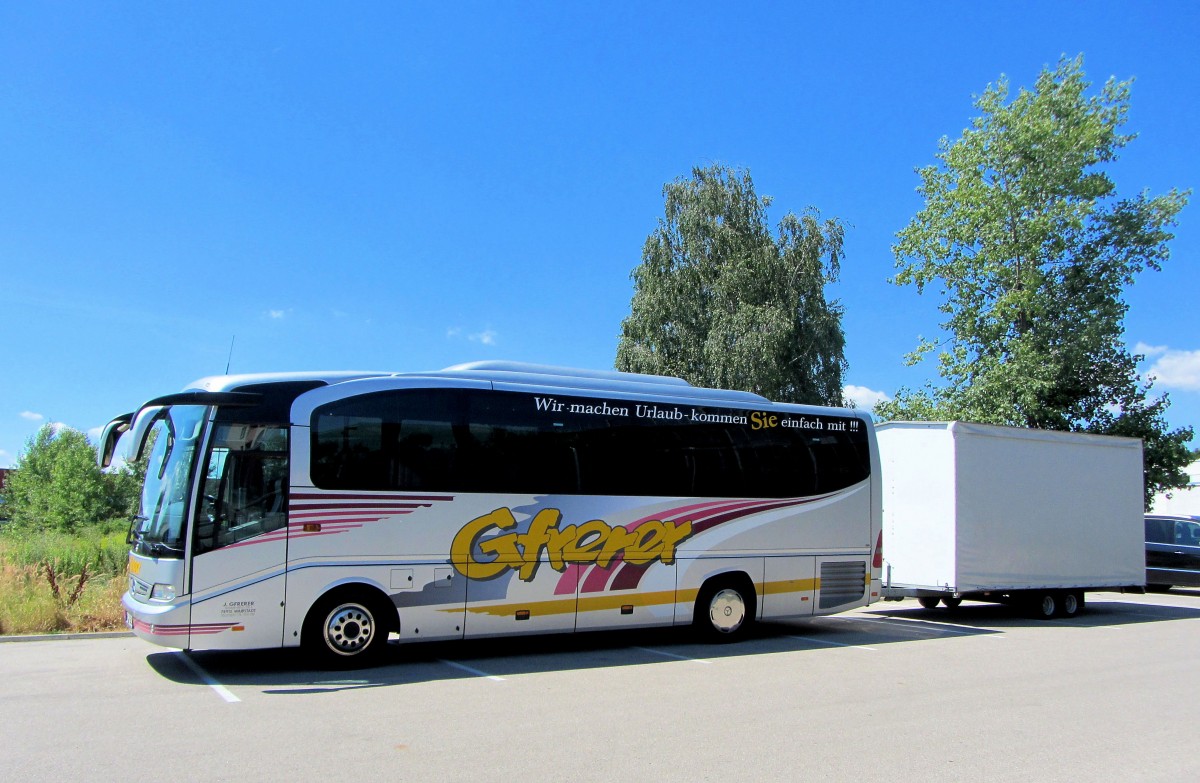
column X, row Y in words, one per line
column 408, row 186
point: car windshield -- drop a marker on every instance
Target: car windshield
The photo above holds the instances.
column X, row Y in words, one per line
column 160, row 526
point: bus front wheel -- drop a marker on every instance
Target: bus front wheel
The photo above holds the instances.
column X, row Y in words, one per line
column 347, row 629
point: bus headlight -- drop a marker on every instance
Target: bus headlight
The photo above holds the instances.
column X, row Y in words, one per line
column 162, row 593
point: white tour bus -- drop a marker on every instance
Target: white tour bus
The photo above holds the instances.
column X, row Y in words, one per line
column 333, row 510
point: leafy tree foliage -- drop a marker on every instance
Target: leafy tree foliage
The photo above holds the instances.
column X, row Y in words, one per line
column 56, row 485
column 721, row 302
column 1025, row 236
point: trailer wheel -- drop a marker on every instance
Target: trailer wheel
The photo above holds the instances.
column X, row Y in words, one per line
column 1072, row 603
column 952, row 602
column 1045, row 605
column 928, row 601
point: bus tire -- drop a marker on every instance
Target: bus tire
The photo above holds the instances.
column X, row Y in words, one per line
column 348, row 628
column 725, row 608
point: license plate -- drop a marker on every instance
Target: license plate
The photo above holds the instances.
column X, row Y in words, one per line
column 129, row 621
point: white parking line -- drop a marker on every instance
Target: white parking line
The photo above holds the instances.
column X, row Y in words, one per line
column 917, row 626
column 834, row 644
column 666, row 654
column 207, row 678
column 1068, row 622
column 470, row 670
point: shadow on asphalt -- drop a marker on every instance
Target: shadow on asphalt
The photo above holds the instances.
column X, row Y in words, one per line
column 1098, row 612
column 289, row 672
column 1194, row 592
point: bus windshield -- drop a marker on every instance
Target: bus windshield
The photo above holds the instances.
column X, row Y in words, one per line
column 159, row 529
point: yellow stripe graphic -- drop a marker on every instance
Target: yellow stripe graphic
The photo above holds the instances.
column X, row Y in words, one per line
column 608, row 601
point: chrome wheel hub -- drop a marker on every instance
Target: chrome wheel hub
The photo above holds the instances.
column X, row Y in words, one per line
column 727, row 611
column 348, row 629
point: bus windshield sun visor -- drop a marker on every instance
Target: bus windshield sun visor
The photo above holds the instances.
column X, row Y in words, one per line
column 206, row 398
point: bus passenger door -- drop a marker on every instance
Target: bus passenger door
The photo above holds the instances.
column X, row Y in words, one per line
column 239, row 539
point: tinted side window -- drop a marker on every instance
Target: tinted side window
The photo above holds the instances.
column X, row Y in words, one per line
column 1160, row 531
column 1187, row 533
column 457, row 440
column 387, row 441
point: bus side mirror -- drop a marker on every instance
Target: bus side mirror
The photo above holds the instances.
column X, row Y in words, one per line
column 109, row 437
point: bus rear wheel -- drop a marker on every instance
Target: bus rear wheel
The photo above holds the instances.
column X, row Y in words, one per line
column 347, row 630
column 725, row 609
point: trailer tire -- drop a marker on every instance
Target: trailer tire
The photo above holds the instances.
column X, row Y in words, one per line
column 1045, row 605
column 928, row 601
column 952, row 602
column 1072, row 603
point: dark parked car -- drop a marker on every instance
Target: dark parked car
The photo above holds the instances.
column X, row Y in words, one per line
column 1172, row 551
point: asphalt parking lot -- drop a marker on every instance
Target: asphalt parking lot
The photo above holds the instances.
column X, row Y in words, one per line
column 890, row 691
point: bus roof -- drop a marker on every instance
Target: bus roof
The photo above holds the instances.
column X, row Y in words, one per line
column 508, row 375
column 501, row 372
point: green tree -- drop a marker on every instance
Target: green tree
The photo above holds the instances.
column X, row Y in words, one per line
column 56, row 485
column 720, row 302
column 1025, row 236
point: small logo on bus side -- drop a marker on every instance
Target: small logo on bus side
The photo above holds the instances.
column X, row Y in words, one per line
column 594, row 541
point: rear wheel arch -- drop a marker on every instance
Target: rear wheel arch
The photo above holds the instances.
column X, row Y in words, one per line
column 726, row 606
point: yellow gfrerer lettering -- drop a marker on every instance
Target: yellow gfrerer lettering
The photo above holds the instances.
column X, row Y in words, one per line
column 478, row 555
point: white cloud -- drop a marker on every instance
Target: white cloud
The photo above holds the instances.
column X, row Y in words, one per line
column 485, row 337
column 1172, row 368
column 1148, row 350
column 31, row 416
column 277, row 315
column 862, row 397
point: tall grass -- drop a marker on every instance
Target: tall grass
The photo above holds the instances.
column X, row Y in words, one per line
column 52, row 582
column 101, row 552
column 28, row 606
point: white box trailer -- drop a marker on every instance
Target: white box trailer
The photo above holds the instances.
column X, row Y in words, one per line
column 981, row 512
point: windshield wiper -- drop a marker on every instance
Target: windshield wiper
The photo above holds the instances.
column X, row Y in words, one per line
column 134, row 533
column 161, row 548
column 137, row 538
